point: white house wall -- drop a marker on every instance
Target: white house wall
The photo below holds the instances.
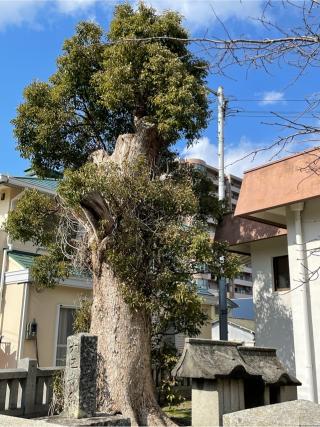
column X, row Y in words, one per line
column 310, row 220
column 234, row 333
column 273, row 309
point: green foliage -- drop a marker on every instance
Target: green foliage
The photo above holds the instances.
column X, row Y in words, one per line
column 164, row 359
column 151, row 250
column 61, row 122
column 158, row 79
column 182, row 313
column 34, row 219
column 148, row 226
column 50, row 269
column 57, row 402
column 82, row 316
column 100, row 86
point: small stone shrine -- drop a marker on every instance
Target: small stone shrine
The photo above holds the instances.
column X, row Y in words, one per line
column 228, row 377
column 80, row 376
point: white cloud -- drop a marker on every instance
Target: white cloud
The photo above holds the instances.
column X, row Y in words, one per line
column 272, row 97
column 238, row 157
column 202, row 12
column 71, row 6
column 17, row 12
column 201, row 149
column 198, row 13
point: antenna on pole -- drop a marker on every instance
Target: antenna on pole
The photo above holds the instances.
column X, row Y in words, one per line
column 223, row 309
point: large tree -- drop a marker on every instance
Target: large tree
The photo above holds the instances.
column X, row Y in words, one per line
column 126, row 210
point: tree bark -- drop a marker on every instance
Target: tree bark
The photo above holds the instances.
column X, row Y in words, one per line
column 124, row 355
column 125, row 381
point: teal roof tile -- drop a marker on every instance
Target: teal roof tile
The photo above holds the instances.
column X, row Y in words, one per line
column 44, row 184
column 25, row 259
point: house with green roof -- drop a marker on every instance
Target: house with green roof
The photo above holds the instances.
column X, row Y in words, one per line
column 36, row 323
column 32, row 323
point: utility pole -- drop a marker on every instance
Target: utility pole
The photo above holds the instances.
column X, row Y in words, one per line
column 221, row 117
column 223, row 309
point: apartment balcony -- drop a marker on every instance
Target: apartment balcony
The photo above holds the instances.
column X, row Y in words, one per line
column 242, row 295
column 242, row 282
column 246, row 269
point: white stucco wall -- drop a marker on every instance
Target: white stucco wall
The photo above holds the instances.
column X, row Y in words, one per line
column 234, row 333
column 310, row 220
column 273, row 309
column 280, row 320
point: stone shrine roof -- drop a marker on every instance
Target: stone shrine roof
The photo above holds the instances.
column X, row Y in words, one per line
column 209, row 359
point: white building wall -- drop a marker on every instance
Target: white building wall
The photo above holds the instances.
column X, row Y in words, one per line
column 234, row 333
column 310, row 220
column 273, row 309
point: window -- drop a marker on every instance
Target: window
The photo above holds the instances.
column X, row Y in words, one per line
column 202, row 283
column 235, row 195
column 2, row 196
column 65, row 329
column 245, row 276
column 200, row 167
column 281, row 273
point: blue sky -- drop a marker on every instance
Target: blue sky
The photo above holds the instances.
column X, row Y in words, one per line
column 32, row 33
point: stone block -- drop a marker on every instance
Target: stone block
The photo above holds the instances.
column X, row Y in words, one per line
column 98, row 420
column 31, row 366
column 80, row 376
column 205, row 403
column 295, row 413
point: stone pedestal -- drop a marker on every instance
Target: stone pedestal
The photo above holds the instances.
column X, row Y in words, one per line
column 80, row 376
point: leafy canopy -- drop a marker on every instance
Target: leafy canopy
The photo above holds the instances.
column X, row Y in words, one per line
column 148, row 224
column 102, row 83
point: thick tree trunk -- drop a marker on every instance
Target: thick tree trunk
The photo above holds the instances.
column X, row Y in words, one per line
column 124, row 334
column 125, row 379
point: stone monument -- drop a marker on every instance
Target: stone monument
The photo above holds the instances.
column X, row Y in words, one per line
column 80, row 376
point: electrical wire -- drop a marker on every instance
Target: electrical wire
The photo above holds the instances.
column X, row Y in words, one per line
column 270, row 100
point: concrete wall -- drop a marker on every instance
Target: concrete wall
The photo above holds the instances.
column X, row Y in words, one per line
column 43, row 306
column 279, row 315
column 10, row 193
column 206, row 328
column 310, row 220
column 10, row 324
column 212, row 399
column 273, row 309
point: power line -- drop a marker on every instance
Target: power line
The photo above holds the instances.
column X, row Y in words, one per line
column 270, row 100
column 274, row 111
column 266, row 116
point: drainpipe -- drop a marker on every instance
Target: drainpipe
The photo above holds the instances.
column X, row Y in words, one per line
column 304, row 301
column 4, row 266
column 23, row 320
column 3, row 272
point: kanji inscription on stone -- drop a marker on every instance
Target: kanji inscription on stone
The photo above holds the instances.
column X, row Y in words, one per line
column 80, row 376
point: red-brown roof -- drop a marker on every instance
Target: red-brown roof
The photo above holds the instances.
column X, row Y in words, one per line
column 237, row 230
column 286, row 181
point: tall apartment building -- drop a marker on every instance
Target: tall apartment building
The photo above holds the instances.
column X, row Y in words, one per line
column 241, row 286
